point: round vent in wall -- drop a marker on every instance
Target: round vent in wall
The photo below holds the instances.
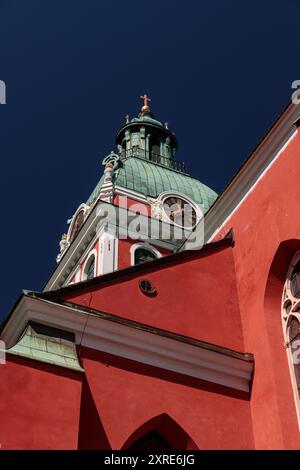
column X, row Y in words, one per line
column 147, row 287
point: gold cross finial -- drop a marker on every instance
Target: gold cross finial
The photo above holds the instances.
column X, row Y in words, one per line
column 145, row 98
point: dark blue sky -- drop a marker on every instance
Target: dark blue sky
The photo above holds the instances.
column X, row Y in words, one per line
column 219, row 72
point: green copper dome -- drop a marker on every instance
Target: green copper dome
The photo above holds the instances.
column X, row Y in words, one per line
column 151, row 179
column 146, row 162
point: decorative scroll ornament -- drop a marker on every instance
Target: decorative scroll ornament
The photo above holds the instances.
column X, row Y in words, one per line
column 113, row 159
column 156, row 209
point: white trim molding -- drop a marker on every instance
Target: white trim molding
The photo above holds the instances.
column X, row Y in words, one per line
column 121, row 191
column 82, row 208
column 114, row 335
column 159, row 210
column 95, row 224
column 108, row 250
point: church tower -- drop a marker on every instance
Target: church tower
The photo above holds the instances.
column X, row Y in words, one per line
column 150, row 201
column 140, row 341
column 136, row 341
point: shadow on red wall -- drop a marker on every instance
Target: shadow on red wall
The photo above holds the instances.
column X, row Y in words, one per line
column 91, row 435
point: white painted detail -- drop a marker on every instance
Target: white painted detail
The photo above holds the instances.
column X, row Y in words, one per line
column 158, row 209
column 130, row 194
column 88, row 235
column 121, row 340
column 107, row 188
column 82, row 208
column 108, row 246
column 78, row 275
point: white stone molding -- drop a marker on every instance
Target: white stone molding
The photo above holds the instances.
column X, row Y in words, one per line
column 88, row 235
column 83, row 207
column 108, row 251
column 132, row 341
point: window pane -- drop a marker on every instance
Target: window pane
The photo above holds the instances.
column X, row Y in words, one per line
column 294, row 328
column 294, row 337
column 77, row 224
column 90, row 270
column 152, row 441
column 295, row 281
column 142, row 256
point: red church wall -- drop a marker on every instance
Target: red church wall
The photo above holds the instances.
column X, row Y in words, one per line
column 196, row 298
column 267, row 217
column 39, row 405
column 110, row 406
column 124, row 253
column 214, row 417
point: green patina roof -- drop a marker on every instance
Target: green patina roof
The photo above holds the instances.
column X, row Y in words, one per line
column 151, row 179
column 38, row 344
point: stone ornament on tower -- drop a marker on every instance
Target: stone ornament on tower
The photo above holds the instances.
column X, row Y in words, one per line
column 108, row 172
column 145, row 108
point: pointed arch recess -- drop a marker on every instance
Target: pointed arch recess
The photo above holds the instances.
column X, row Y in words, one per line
column 168, row 429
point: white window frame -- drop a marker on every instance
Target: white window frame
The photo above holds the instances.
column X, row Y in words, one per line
column 197, row 208
column 145, row 246
column 83, row 273
column 82, row 208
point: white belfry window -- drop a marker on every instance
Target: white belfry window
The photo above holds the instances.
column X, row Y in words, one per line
column 291, row 324
column 143, row 252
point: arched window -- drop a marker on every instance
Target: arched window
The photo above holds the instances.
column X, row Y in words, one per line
column 89, row 270
column 143, row 255
column 295, row 281
column 152, row 441
column 291, row 322
column 161, row 433
column 77, row 225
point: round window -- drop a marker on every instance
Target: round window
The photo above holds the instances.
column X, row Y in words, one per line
column 147, row 287
column 180, row 211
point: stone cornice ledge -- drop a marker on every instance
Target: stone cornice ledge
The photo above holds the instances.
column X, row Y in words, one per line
column 138, row 344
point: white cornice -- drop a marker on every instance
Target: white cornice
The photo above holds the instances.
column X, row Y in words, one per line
column 121, row 191
column 75, row 251
column 138, row 344
column 121, row 227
